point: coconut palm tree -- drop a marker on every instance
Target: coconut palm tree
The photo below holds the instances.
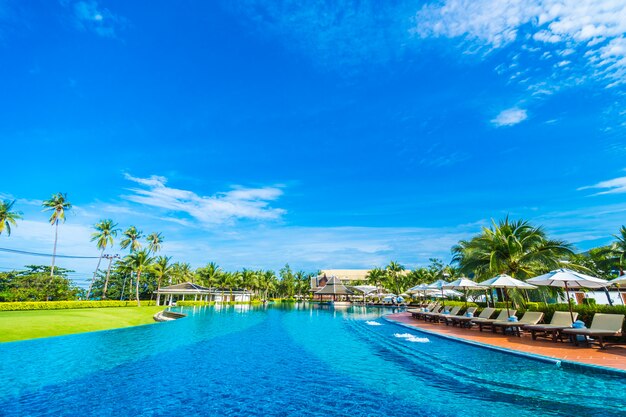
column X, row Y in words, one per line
column 393, row 272
column 103, row 236
column 131, row 239
column 8, row 217
column 222, row 282
column 155, row 240
column 161, row 269
column 138, row 261
column 208, row 274
column 617, row 251
column 376, row 277
column 248, row 280
column 58, row 204
column 510, row 247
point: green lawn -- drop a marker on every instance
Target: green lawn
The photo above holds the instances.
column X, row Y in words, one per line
column 21, row 325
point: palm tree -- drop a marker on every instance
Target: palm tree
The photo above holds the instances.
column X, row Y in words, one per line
column 617, row 251
column 208, row 274
column 267, row 281
column 161, row 268
column 248, row 280
column 7, row 216
column 131, row 238
column 103, row 236
column 222, row 281
column 393, row 271
column 138, row 262
column 155, row 240
column 376, row 277
column 509, row 247
column 58, row 204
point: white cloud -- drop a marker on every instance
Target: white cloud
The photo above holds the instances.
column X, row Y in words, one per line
column 89, row 16
column 236, row 204
column 598, row 27
column 510, row 117
column 614, row 186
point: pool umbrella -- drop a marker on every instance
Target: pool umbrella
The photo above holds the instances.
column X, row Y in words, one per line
column 568, row 279
column 365, row 289
column 464, row 284
column 438, row 285
column 418, row 288
column 617, row 282
column 505, row 282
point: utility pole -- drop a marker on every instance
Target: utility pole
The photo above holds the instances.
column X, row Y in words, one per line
column 106, row 282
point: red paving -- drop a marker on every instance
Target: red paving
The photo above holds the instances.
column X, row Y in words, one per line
column 612, row 357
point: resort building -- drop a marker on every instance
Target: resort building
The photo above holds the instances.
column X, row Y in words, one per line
column 346, row 276
column 195, row 292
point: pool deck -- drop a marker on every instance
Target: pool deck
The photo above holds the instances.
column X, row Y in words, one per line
column 613, row 357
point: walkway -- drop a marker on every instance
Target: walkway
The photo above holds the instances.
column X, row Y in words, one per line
column 612, row 357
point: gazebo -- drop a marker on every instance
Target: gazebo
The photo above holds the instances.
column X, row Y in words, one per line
column 333, row 287
column 184, row 289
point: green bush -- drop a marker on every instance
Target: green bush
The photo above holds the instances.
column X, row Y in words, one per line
column 192, row 303
column 60, row 305
column 589, row 301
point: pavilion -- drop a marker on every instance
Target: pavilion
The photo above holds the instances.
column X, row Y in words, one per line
column 333, row 287
column 184, row 289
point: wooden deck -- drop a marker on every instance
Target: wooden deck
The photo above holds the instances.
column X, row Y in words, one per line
column 612, row 357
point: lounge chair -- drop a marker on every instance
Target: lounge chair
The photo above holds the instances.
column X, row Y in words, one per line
column 436, row 317
column 602, row 325
column 420, row 314
column 420, row 309
column 560, row 320
column 529, row 317
column 503, row 316
column 464, row 321
column 426, row 315
column 451, row 319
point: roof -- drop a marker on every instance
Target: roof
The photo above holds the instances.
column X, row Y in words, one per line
column 349, row 274
column 185, row 288
column 334, row 286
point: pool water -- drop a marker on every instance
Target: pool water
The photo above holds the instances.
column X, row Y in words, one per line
column 283, row 361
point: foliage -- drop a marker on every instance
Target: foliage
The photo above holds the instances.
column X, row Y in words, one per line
column 8, row 217
column 61, row 305
column 34, row 284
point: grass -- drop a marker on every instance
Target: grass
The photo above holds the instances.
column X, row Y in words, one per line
column 22, row 325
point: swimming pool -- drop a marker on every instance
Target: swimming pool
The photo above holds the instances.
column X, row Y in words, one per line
column 301, row 360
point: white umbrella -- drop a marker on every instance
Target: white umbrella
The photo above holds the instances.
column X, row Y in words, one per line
column 365, row 289
column 438, row 285
column 505, row 281
column 617, row 282
column 464, row 284
column 568, row 279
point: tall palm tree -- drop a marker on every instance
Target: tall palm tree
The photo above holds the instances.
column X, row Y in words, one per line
column 248, row 280
column 161, row 268
column 8, row 217
column 267, row 282
column 510, row 247
column 208, row 274
column 393, row 272
column 103, row 236
column 617, row 251
column 58, row 204
column 138, row 261
column 222, row 282
column 376, row 277
column 131, row 239
column 155, row 240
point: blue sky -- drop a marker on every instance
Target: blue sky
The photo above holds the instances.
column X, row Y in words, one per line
column 323, row 134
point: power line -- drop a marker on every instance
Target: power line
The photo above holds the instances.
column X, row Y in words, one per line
column 23, row 252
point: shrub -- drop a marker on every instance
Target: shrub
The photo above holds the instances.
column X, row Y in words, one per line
column 60, row 305
column 192, row 303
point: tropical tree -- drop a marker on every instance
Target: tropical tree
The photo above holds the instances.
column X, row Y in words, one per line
column 103, row 236
column 131, row 239
column 155, row 240
column 510, row 247
column 376, row 276
column 58, row 204
column 248, row 280
column 161, row 269
column 138, row 261
column 8, row 216
column 222, row 282
column 617, row 251
column 181, row 272
column 267, row 282
column 394, row 269
column 208, row 274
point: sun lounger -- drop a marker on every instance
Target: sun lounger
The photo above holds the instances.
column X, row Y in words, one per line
column 464, row 321
column 529, row 317
column 436, row 317
column 451, row 319
column 426, row 316
column 560, row 320
column 503, row 316
column 420, row 314
column 602, row 325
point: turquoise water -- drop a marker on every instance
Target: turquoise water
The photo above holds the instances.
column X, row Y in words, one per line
column 288, row 361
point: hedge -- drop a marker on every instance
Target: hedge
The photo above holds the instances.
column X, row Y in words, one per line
column 60, row 305
column 192, row 303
